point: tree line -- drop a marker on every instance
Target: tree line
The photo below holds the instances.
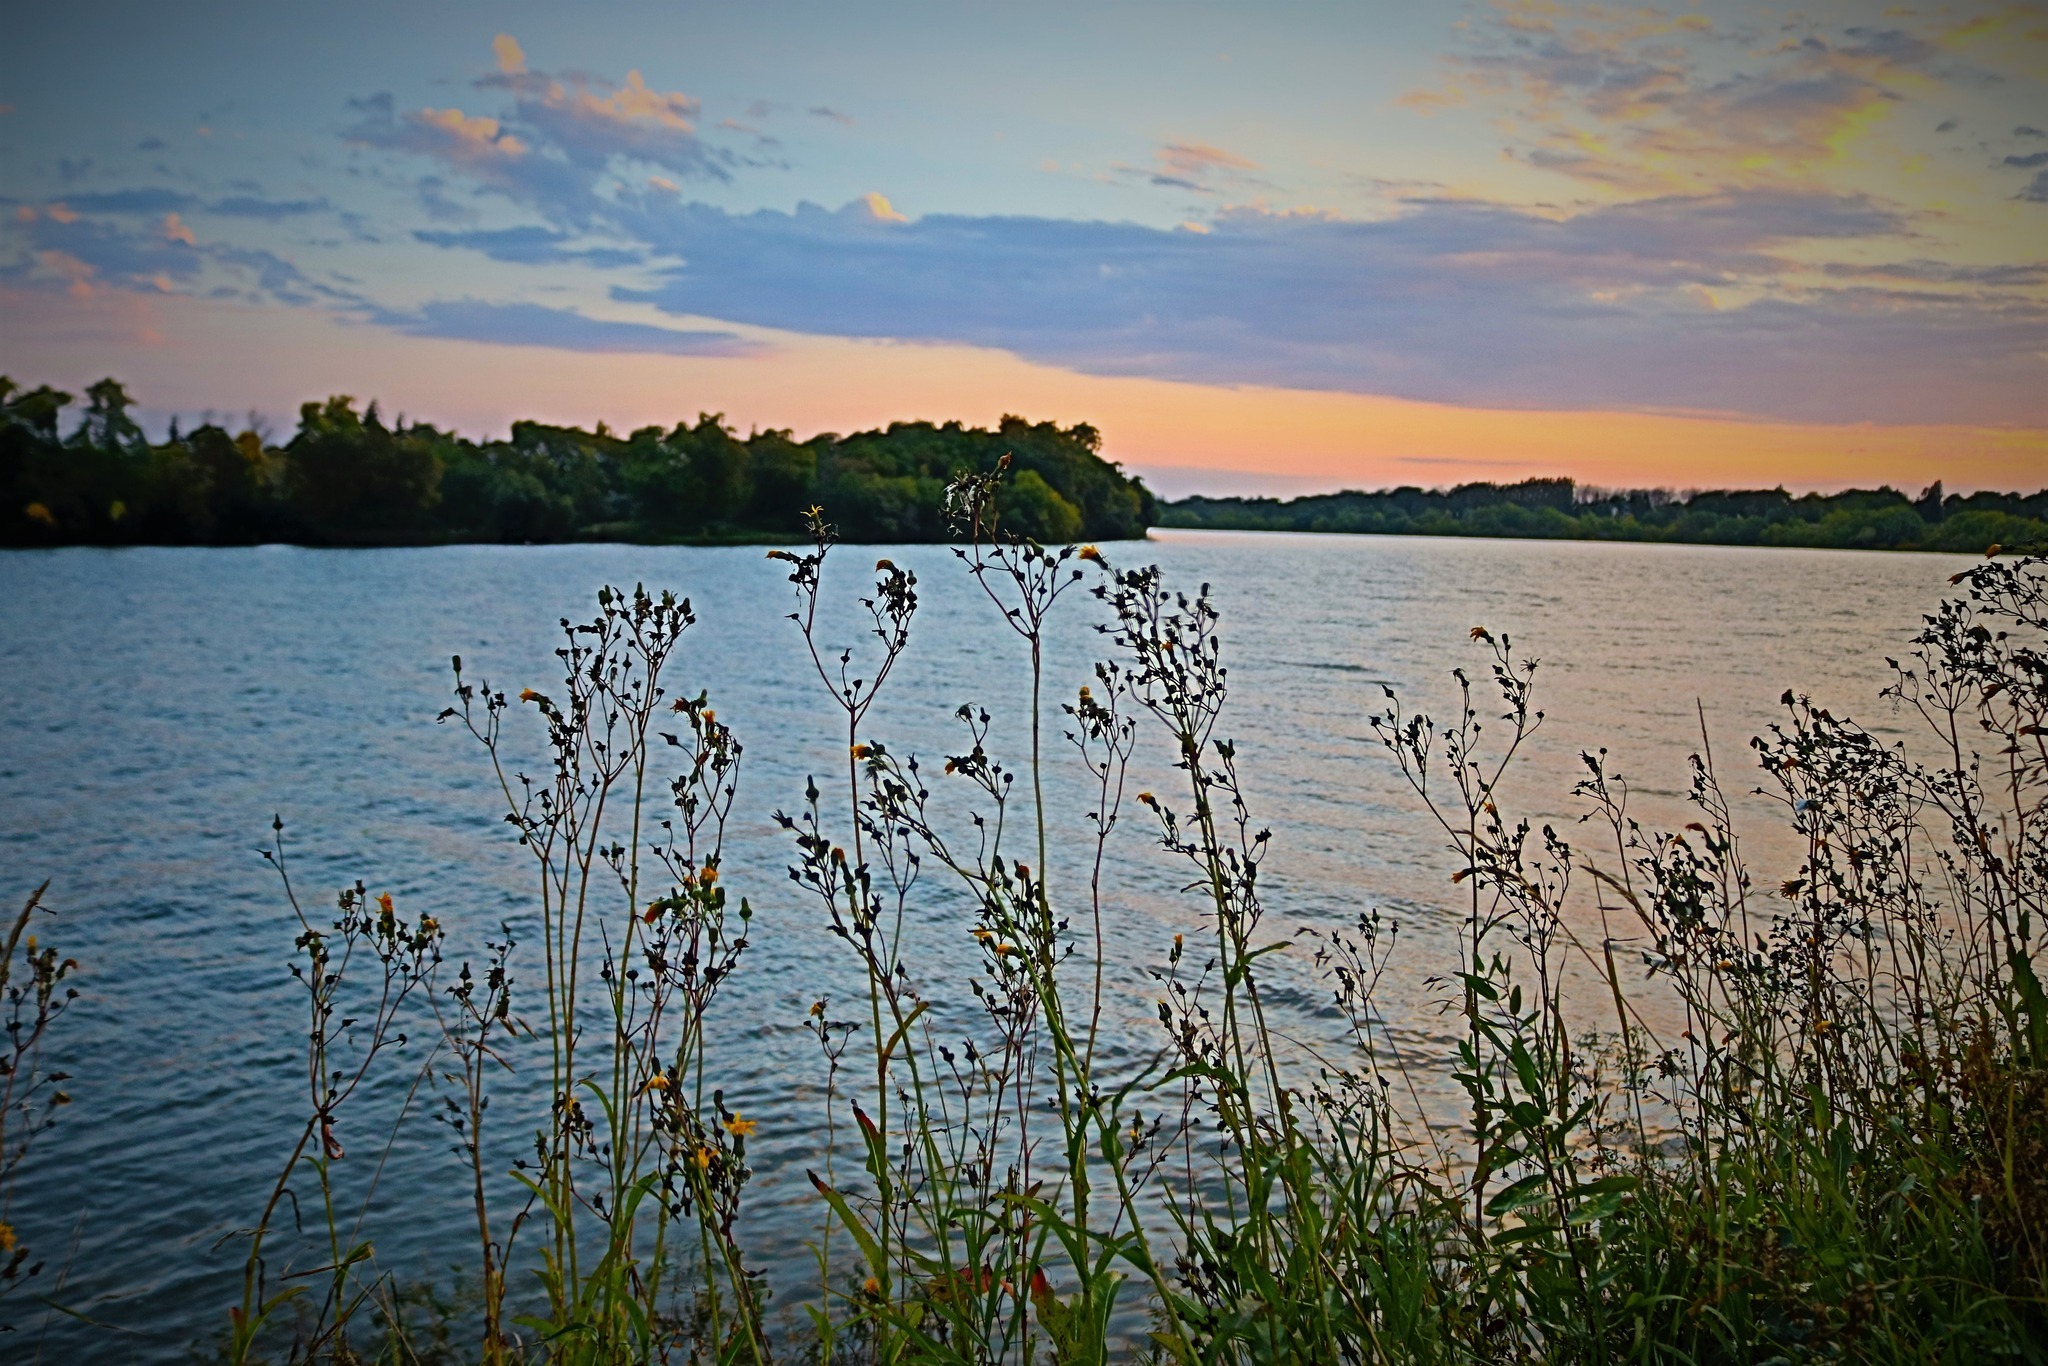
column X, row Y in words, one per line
column 1865, row 519
column 349, row 477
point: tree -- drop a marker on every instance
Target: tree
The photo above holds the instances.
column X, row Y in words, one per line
column 352, row 480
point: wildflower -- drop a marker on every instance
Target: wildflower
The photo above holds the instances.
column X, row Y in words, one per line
column 1481, row 633
column 862, row 751
column 741, row 1128
column 1002, row 949
column 429, row 925
column 35, row 512
column 709, row 716
column 653, row 911
column 983, row 935
column 7, row 1238
column 1148, row 799
column 702, row 1157
column 1176, row 941
column 817, row 1011
column 657, row 1082
column 529, row 695
column 880, row 565
column 872, row 1288
column 1089, row 552
column 709, row 875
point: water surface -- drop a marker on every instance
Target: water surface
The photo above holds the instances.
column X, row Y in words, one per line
column 164, row 704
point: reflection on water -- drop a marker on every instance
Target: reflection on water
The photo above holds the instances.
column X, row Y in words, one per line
column 165, row 703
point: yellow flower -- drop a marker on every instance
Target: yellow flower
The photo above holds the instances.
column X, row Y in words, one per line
column 1089, row 552
column 429, row 925
column 741, row 1128
column 884, row 564
column 702, row 1157
column 709, row 875
column 384, row 900
column 710, row 715
column 528, row 695
column 871, row 1287
column 35, row 512
column 817, row 1009
column 862, row 751
column 657, row 1082
column 7, row 1238
column 981, row 934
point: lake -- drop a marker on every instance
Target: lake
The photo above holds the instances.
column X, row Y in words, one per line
column 164, row 704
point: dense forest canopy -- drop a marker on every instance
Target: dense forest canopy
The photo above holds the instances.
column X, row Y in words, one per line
column 348, row 477
column 1867, row 519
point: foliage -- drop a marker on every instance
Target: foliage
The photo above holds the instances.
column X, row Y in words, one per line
column 351, row 478
column 35, row 989
column 1558, row 509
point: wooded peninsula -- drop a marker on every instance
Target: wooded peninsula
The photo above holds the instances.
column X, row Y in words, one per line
column 1559, row 509
column 350, row 478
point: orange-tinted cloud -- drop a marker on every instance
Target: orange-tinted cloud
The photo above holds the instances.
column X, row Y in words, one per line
column 511, row 57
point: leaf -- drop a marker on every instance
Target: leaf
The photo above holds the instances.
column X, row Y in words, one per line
column 1530, row 1190
column 877, row 1263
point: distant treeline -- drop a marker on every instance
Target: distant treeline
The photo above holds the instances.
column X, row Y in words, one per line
column 1865, row 519
column 351, row 478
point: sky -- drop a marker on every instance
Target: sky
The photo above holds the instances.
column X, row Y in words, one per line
column 1265, row 248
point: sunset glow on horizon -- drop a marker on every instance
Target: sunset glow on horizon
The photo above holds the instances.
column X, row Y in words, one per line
column 1274, row 251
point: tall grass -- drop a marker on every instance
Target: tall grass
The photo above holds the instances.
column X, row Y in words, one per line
column 1837, row 1149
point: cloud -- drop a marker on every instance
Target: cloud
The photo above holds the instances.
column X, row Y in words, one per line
column 1634, row 100
column 823, row 112
column 1648, row 305
column 1199, row 158
column 2036, row 191
column 875, row 208
column 482, row 148
column 96, row 252
column 522, row 324
column 530, row 246
column 511, row 57
column 1196, row 167
column 270, row 210
column 2027, row 131
column 141, row 200
column 560, row 138
column 2029, row 161
column 1945, row 273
